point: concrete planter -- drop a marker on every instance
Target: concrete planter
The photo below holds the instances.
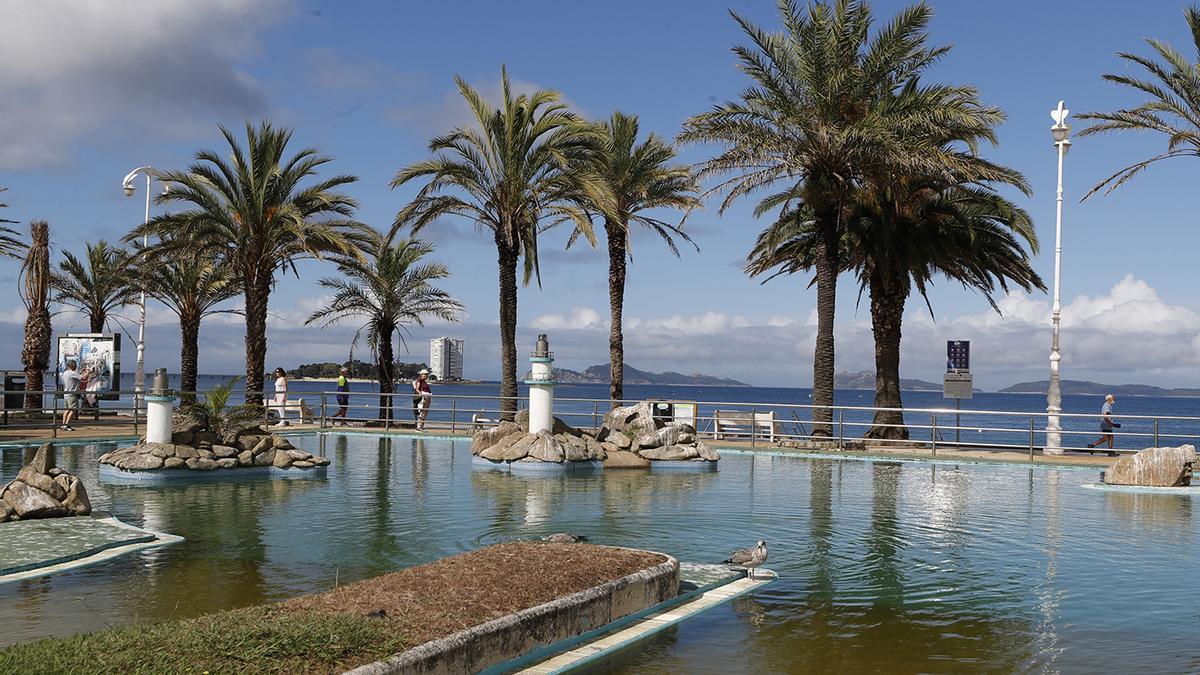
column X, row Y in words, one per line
column 509, row 637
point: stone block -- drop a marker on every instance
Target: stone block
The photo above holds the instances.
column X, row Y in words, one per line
column 172, row 463
column 224, row 451
column 245, row 458
column 624, row 459
column 29, row 502
column 41, row 481
column 1154, row 467
column 281, row 460
column 227, row 462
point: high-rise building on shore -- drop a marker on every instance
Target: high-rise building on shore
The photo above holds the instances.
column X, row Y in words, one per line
column 446, row 358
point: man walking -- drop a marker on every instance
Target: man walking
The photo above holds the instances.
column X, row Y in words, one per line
column 70, row 385
column 343, row 395
column 1106, row 425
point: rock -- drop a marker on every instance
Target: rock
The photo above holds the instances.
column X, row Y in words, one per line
column 103, row 459
column 43, row 459
column 298, row 454
column 55, row 472
column 205, row 454
column 183, row 437
column 29, row 502
column 181, row 424
column 668, row 435
column 224, row 451
column 282, row 460
column 319, row 461
column 670, row 453
column 546, row 448
column 683, row 427
column 486, row 438
column 1154, row 467
column 559, row 426
column 245, row 458
column 76, row 501
column 205, row 438
column 139, row 462
column 41, row 481
column 574, row 447
column 706, row 452
column 6, row 512
column 624, row 459
column 281, row 443
column 595, row 450
column 160, row 450
column 505, row 450
column 266, row 458
column 186, row 452
column 264, row 444
column 201, row 464
column 227, row 462
column 636, row 420
column 301, row 464
column 620, row 440
column 172, row 463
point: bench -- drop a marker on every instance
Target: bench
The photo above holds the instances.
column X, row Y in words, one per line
column 479, row 421
column 741, row 423
column 293, row 408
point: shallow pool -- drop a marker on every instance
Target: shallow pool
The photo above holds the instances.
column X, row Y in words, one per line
column 885, row 566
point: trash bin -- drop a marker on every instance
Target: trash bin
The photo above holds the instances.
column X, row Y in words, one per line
column 662, row 411
column 14, row 386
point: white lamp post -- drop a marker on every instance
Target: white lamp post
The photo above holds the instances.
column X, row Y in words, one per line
column 150, row 173
column 1060, row 131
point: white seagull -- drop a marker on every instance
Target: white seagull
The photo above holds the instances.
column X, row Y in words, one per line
column 749, row 557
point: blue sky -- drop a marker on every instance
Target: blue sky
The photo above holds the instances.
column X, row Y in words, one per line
column 89, row 90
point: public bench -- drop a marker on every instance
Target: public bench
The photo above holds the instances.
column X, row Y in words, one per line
column 293, row 408
column 742, row 423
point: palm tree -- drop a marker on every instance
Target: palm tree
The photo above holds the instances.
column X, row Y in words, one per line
column 11, row 245
column 36, row 295
column 821, row 113
column 635, row 177
column 100, row 283
column 254, row 213
column 513, row 174
column 190, row 286
column 391, row 290
column 1173, row 108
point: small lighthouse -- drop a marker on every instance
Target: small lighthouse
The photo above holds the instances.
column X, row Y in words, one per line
column 541, row 387
column 159, row 404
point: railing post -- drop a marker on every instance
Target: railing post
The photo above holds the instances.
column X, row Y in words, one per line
column 324, row 402
column 595, row 415
column 1156, row 432
column 841, row 430
column 753, row 425
column 1031, row 439
column 933, row 431
column 453, row 414
column 389, row 411
column 54, row 415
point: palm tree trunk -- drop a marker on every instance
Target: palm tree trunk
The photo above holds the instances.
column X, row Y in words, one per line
column 616, row 301
column 887, row 313
column 827, row 266
column 96, row 322
column 35, row 353
column 508, row 328
column 189, row 333
column 257, row 293
column 387, row 376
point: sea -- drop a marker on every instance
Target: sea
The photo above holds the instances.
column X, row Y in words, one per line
column 928, row 415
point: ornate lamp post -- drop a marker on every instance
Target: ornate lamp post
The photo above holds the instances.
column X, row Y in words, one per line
column 1060, row 132
column 150, row 173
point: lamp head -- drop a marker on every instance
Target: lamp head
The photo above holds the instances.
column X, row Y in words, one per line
column 128, row 188
column 1060, row 130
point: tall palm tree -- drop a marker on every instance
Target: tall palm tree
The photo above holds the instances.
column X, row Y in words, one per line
column 190, row 286
column 513, row 174
column 256, row 213
column 11, row 245
column 635, row 178
column 390, row 290
column 36, row 295
column 98, row 284
column 1172, row 110
column 820, row 113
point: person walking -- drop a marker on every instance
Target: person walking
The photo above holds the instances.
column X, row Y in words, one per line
column 343, row 395
column 281, row 387
column 71, row 379
column 1106, row 425
column 422, row 398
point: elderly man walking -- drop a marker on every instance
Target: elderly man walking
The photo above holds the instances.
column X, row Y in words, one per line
column 1106, row 425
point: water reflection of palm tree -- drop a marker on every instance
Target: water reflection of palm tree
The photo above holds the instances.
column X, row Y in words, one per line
column 382, row 547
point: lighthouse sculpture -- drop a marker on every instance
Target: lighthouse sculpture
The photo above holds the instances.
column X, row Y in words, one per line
column 541, row 387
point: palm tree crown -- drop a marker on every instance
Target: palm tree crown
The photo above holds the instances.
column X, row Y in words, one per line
column 103, row 281
column 257, row 213
column 11, row 245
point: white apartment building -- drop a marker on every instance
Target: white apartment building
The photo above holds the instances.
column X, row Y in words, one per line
column 446, row 358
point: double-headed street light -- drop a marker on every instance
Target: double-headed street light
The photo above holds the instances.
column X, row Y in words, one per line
column 127, row 185
column 1061, row 132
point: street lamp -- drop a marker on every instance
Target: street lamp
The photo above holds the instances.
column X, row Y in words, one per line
column 150, row 173
column 1060, row 131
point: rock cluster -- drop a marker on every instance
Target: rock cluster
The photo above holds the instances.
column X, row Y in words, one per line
column 630, row 438
column 42, row 490
column 193, row 448
column 1154, row 467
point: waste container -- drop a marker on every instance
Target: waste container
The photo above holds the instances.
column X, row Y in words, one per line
column 14, row 386
column 662, row 411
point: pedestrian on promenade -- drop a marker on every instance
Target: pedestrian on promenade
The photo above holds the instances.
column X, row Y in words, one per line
column 422, row 398
column 70, row 383
column 281, row 387
column 1106, row 425
column 343, row 395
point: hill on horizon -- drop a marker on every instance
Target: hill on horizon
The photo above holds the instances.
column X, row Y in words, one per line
column 1088, row 388
column 599, row 374
column 865, row 379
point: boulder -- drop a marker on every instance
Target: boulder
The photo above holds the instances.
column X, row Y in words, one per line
column 574, row 447
column 43, row 459
column 670, row 453
column 29, row 502
column 282, row 459
column 186, row 452
column 297, row 454
column 706, row 452
column 172, row 463
column 1154, row 467
column 281, row 443
column 546, row 448
column 245, row 458
column 201, row 464
column 672, row 434
column 6, row 512
column 319, row 461
column 183, row 437
column 205, row 454
column 559, row 426
column 227, row 462
column 42, row 482
column 619, row 439
column 636, row 420
column 302, row 464
column 624, row 459
column 56, row 472
column 595, row 450
column 505, row 450
column 224, row 451
column 264, row 444
column 205, row 438
column 486, row 438
column 181, row 424
column 163, row 450
column 139, row 462
column 76, row 501
column 266, row 458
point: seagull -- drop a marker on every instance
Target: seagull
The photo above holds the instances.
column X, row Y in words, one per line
column 564, row 538
column 749, row 557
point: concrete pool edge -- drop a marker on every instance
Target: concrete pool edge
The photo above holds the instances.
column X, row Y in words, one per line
column 483, row 647
column 97, row 554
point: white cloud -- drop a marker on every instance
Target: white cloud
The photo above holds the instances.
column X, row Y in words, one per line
column 132, row 68
column 579, row 318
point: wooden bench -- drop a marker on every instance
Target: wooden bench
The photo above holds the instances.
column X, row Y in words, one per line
column 742, row 423
column 294, row 408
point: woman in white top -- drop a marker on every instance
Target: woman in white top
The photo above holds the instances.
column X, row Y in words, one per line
column 281, row 386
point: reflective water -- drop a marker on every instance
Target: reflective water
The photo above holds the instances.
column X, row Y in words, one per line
column 885, row 566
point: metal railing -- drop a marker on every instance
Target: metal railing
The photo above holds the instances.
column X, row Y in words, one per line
column 756, row 423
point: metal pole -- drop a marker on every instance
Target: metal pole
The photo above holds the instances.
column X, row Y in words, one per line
column 841, row 430
column 1156, row 432
column 595, row 415
column 957, row 422
column 1031, row 438
column 54, row 415
column 139, row 375
column 753, row 425
column 933, row 431
column 324, row 400
column 453, row 414
column 1054, row 392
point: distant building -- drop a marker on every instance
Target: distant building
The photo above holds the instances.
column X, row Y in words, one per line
column 446, row 358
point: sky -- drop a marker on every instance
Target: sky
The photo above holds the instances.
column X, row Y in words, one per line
column 92, row 89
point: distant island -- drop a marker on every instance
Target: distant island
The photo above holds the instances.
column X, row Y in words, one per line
column 1086, row 388
column 600, row 375
column 865, row 379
